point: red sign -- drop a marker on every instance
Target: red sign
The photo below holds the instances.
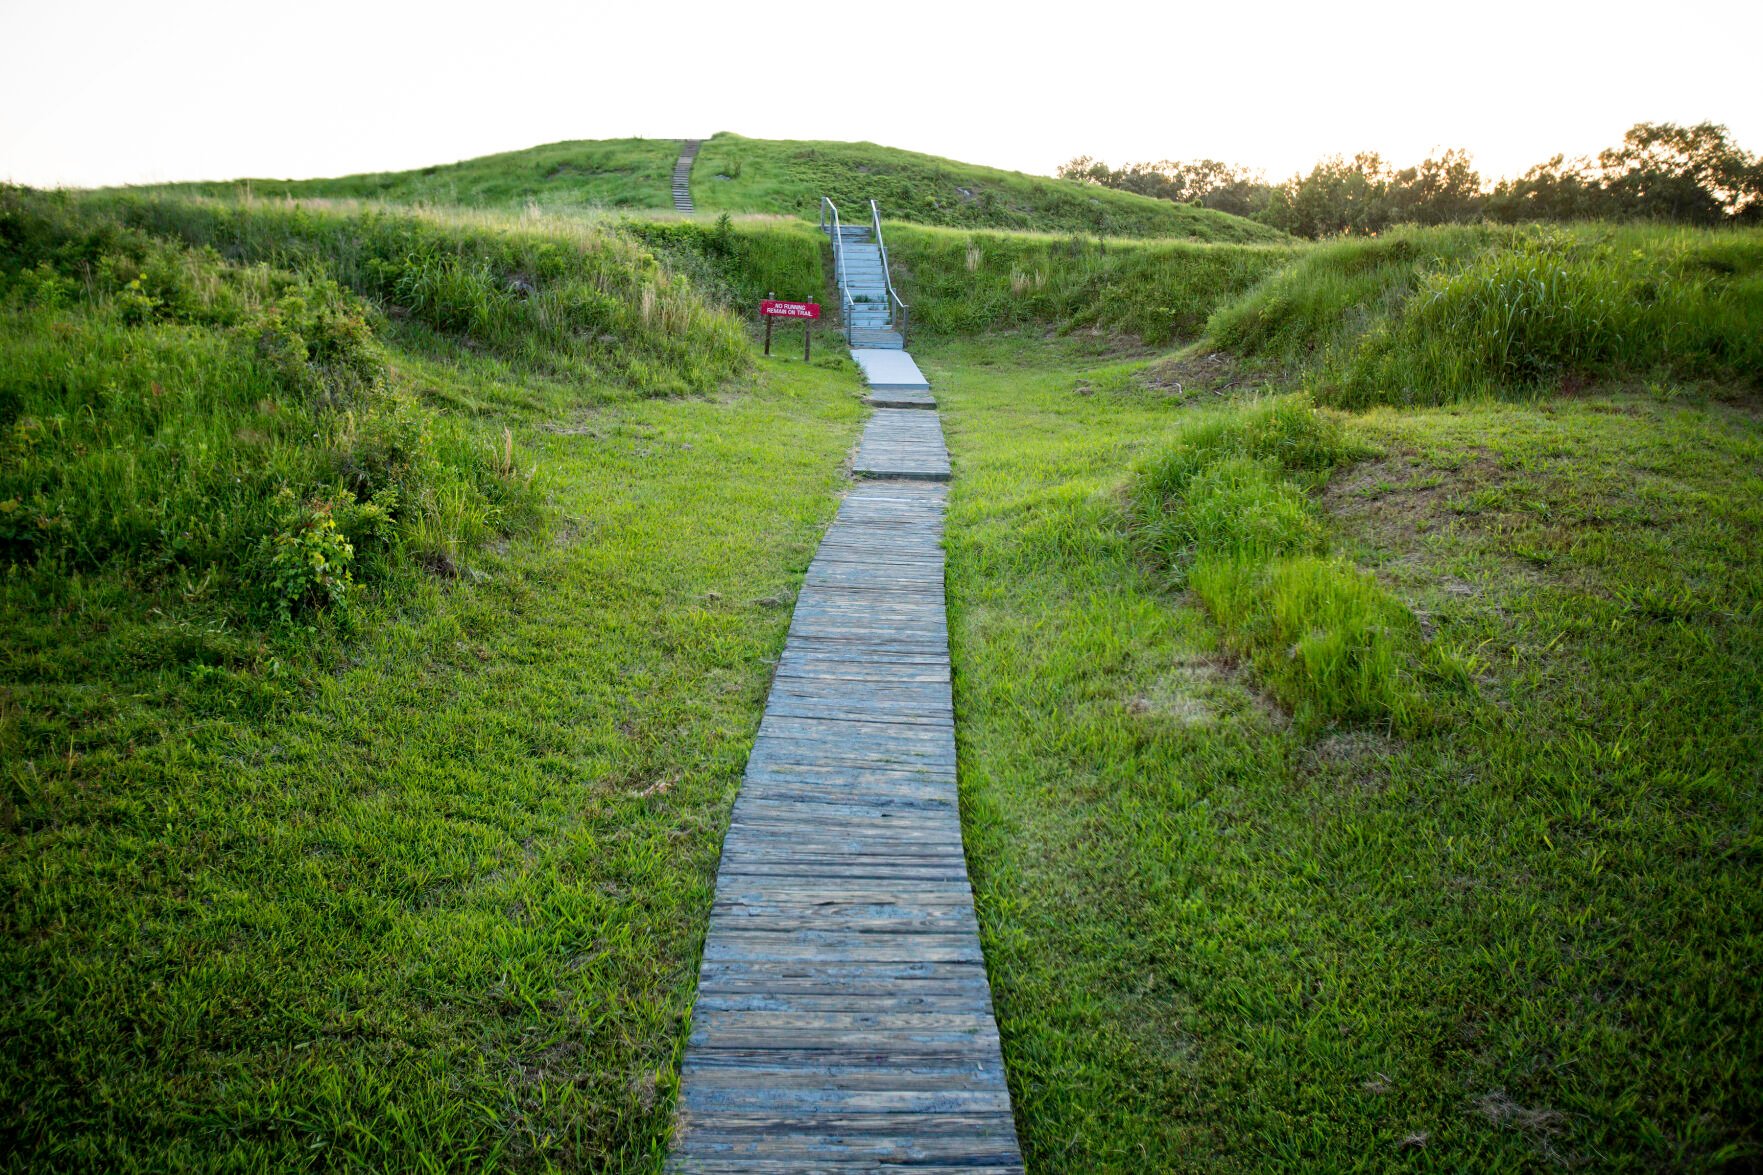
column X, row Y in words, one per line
column 789, row 309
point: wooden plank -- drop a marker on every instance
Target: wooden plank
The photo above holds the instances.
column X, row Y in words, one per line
column 843, row 1019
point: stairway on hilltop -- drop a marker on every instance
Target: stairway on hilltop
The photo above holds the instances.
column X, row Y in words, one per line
column 682, row 175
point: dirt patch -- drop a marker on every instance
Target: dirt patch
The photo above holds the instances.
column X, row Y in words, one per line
column 1181, row 696
column 1205, row 375
column 1402, row 493
column 1355, row 759
column 1497, row 1107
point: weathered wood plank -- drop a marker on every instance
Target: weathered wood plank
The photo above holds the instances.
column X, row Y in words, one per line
column 843, row 1019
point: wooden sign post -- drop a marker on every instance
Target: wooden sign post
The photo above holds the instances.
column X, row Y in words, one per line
column 807, row 312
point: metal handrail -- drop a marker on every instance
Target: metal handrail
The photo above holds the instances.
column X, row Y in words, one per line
column 838, row 235
column 888, row 270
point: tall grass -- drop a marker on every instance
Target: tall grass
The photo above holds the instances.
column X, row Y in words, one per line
column 562, row 296
column 171, row 416
column 738, row 262
column 1425, row 316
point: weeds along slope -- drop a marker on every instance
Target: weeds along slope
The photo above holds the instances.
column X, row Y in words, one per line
column 1426, row 316
column 174, row 418
column 561, row 296
column 738, row 262
column 1158, row 291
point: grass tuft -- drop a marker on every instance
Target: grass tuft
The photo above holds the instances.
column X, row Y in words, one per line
column 1227, row 507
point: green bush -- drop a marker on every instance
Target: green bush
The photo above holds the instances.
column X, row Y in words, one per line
column 306, row 567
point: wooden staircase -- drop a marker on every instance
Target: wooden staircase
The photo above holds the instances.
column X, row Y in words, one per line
column 875, row 317
column 682, row 175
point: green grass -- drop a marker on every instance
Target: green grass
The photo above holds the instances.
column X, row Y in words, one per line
column 1424, row 316
column 441, row 907
column 1517, row 936
column 737, row 174
column 582, row 174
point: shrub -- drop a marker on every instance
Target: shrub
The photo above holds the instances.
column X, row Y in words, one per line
column 305, row 567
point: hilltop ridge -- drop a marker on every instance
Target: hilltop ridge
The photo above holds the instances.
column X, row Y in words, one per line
column 787, row 177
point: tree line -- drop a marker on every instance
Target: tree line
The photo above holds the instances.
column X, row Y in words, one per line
column 1660, row 171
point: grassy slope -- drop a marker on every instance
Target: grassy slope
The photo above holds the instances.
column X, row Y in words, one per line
column 737, row 174
column 1430, row 315
column 968, row 282
column 1518, row 937
column 598, row 173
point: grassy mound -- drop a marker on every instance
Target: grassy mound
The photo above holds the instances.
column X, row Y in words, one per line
column 1425, row 316
column 737, row 174
column 600, row 173
column 970, row 282
column 776, row 176
column 1229, row 509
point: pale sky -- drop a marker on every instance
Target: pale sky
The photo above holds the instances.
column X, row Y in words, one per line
column 97, row 92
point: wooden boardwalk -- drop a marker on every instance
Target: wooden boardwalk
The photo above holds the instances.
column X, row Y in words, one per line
column 903, row 443
column 843, row 1020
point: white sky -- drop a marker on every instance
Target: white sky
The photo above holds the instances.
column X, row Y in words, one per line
column 94, row 92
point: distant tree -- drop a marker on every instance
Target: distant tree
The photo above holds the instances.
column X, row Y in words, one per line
column 1207, row 182
column 1558, row 189
column 1339, row 195
column 1442, row 190
column 1694, row 175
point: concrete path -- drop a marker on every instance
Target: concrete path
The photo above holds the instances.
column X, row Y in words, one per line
column 844, row 1021
column 894, row 379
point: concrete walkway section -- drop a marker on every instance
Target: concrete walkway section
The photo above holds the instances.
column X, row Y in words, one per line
column 894, row 379
column 844, row 1021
